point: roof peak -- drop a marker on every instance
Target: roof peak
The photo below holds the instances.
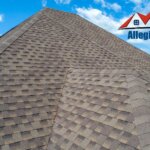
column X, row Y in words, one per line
column 55, row 10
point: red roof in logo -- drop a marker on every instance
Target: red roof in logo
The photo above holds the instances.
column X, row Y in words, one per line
column 126, row 23
column 144, row 18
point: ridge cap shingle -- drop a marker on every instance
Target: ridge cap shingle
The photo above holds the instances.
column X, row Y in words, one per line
column 98, row 27
column 9, row 37
column 138, row 69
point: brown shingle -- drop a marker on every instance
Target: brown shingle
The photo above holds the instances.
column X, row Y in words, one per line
column 67, row 84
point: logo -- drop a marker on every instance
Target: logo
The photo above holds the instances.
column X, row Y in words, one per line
column 136, row 22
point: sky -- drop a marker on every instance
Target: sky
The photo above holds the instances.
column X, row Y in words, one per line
column 107, row 14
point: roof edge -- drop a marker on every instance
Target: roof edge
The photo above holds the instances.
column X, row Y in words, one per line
column 113, row 35
column 9, row 37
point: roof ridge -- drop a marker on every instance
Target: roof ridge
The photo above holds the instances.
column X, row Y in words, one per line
column 57, row 105
column 12, row 35
column 82, row 36
column 123, row 59
column 131, row 46
column 139, row 50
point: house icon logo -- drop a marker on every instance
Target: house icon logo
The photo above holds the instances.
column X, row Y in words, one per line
column 137, row 21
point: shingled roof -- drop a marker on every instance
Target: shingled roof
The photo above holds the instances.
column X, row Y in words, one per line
column 66, row 84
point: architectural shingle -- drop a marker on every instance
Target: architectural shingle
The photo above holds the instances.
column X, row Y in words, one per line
column 67, row 84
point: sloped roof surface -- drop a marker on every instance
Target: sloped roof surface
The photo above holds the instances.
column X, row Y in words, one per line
column 68, row 84
column 100, row 110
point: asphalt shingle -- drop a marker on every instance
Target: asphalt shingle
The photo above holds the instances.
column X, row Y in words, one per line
column 68, row 84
